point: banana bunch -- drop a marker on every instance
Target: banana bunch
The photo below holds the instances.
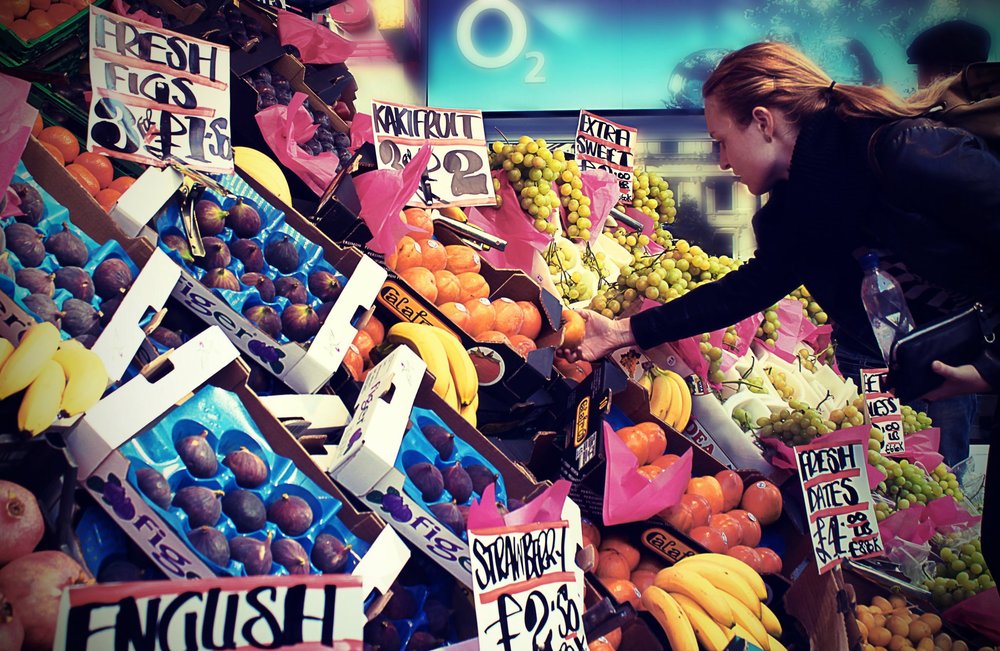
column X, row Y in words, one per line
column 455, row 377
column 709, row 599
column 60, row 377
column 669, row 397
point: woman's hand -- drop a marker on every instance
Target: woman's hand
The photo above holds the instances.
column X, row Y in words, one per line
column 958, row 380
column 601, row 337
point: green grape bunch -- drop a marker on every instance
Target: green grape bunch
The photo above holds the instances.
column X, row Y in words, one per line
column 797, row 425
column 767, row 331
column 810, row 308
column 959, row 570
column 543, row 180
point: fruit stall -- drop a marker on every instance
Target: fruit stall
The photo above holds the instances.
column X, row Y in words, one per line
column 281, row 368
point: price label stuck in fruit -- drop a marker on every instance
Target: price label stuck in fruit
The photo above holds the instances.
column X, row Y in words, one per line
column 158, row 96
column 458, row 173
column 527, row 587
column 883, row 409
column 605, row 145
column 838, row 501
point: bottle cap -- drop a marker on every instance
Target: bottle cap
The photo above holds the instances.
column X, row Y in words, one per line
column 869, row 261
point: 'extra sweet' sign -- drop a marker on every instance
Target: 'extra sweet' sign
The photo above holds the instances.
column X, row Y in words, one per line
column 884, row 411
column 527, row 588
column 834, row 479
column 458, row 172
column 262, row 612
column 605, row 145
column 158, row 95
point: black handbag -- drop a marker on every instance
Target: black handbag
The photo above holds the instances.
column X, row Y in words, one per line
column 955, row 340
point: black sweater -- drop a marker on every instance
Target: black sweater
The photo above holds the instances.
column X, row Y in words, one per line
column 934, row 207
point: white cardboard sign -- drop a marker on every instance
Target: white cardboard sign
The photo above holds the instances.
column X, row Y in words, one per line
column 606, row 145
column 883, row 409
column 458, row 172
column 158, row 95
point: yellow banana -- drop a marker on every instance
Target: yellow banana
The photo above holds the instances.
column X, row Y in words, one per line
column 424, row 343
column 749, row 621
column 711, row 636
column 659, row 396
column 674, row 413
column 40, row 404
column 730, row 563
column 6, row 348
column 26, row 362
column 262, row 168
column 689, row 582
column 770, row 621
column 86, row 378
column 732, row 584
column 646, row 381
column 468, row 412
column 671, row 617
column 463, row 371
column 775, row 644
column 747, row 636
column 684, row 394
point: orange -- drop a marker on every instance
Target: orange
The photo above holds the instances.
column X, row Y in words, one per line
column 710, row 538
column 770, row 562
column 37, row 127
column 375, row 329
column 481, row 315
column 448, row 288
column 650, row 471
column 60, row 12
column 7, row 19
column 40, row 18
column 576, row 371
column 99, row 165
column 642, row 578
column 623, row 547
column 122, row 183
column 763, row 499
column 591, row 534
column 25, row 29
column 462, row 258
column 434, row 257
column 523, row 345
column 532, row 325
column 492, row 337
column 55, row 151
column 353, row 363
column 19, row 8
column 728, row 525
column 457, row 313
column 64, row 139
column 40, row 4
column 509, row 316
column 746, row 554
column 679, row 516
column 709, row 487
column 636, row 441
column 623, row 591
column 422, row 281
column 408, row 254
column 657, row 439
column 614, row 638
column 651, row 563
column 666, row 460
column 84, row 178
column 701, row 510
column 473, row 286
column 749, row 527
column 364, row 343
column 611, row 565
column 107, row 198
column 421, row 220
column 573, row 329
column 732, row 488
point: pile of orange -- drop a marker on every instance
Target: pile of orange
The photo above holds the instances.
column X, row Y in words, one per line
column 92, row 171
column 32, row 19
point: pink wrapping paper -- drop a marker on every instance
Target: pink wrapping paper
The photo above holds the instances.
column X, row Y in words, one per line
column 283, row 128
column 948, row 516
column 316, row 43
column 648, row 226
column 510, row 223
column 15, row 128
column 979, row 613
column 12, row 207
column 362, row 131
column 792, row 329
column 909, row 524
column 630, row 497
column 745, row 331
column 383, row 193
column 547, row 507
column 922, row 448
column 122, row 9
column 690, row 353
column 819, row 339
column 602, row 188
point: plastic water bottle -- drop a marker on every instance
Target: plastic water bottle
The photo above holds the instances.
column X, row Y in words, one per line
column 885, row 304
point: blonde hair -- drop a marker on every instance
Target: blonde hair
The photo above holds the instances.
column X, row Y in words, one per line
column 776, row 75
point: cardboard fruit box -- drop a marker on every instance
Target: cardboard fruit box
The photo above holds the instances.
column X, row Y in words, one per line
column 97, row 443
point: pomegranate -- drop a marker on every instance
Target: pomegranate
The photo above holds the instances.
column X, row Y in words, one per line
column 34, row 585
column 11, row 631
column 21, row 525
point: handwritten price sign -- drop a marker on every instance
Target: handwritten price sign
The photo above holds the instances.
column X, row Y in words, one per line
column 528, row 588
column 458, row 173
column 838, row 501
column 884, row 411
column 158, row 95
column 605, row 145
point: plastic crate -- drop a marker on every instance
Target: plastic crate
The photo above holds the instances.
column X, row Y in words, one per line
column 21, row 52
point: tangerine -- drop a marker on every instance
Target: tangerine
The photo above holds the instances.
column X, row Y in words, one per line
column 473, row 286
column 457, row 313
column 353, row 364
column 40, row 4
column 576, row 371
column 623, row 591
column 636, row 441
column 732, row 488
column 650, row 471
column 710, row 488
column 408, row 254
column 420, row 219
column 532, row 325
column 701, row 509
column 509, row 316
column 642, row 578
column 41, row 19
column 99, row 165
column 19, row 8
column 60, row 12
column 600, row 644
column 448, row 287
column 55, row 151
column 679, row 516
column 63, row 139
column 591, row 534
column 621, row 546
column 574, row 328
column 728, row 525
column 749, row 527
column 763, row 499
column 375, row 329
column 611, row 565
column 770, row 562
column 364, row 343
column 481, row 315
column 523, row 345
column 122, row 183
column 25, row 29
column 462, row 259
column 710, row 538
column 614, row 638
column 666, row 460
column 84, row 178
column 434, row 257
column 657, row 439
column 37, row 127
column 108, row 197
column 746, row 554
column 422, row 281
column 492, row 337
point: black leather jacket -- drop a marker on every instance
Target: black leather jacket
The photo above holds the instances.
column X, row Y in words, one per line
column 926, row 195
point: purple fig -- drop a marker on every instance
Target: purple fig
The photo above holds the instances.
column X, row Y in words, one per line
column 245, row 510
column 36, row 281
column 261, row 283
column 458, row 483
column 290, row 555
column 441, row 439
column 211, row 217
column 324, row 311
column 198, row 455
column 79, row 317
column 32, row 205
column 221, row 278
column 438, row 616
column 401, row 604
column 481, row 477
column 211, row 543
column 217, row 254
column 119, row 570
column 243, row 219
column 26, row 243
column 291, row 513
column 154, row 486
column 382, row 634
column 44, row 308
column 69, row 249
column 179, row 244
column 112, row 278
column 76, row 281
column 166, row 337
column 329, row 554
column 108, row 309
column 282, row 255
column 291, row 288
column 249, row 470
column 448, row 514
column 264, row 317
column 254, row 554
column 299, row 322
column 427, row 479
column 247, row 252
column 87, row 340
column 324, row 285
column 202, row 505
column 423, row 641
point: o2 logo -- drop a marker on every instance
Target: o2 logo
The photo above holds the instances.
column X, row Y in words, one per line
column 518, row 39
